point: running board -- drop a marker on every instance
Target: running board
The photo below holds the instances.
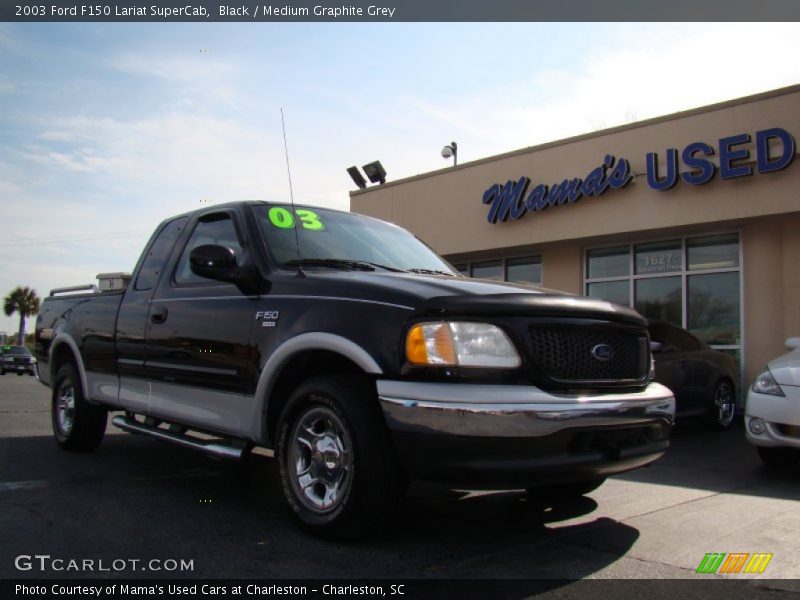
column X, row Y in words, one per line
column 211, row 448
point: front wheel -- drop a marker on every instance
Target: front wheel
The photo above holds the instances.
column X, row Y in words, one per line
column 77, row 424
column 723, row 408
column 338, row 468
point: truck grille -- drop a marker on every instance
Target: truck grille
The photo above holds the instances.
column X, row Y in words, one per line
column 581, row 354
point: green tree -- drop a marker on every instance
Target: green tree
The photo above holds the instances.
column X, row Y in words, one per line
column 22, row 300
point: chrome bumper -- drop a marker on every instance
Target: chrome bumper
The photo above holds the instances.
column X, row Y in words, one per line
column 514, row 411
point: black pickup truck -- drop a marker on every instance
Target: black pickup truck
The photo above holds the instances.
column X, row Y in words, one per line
column 361, row 357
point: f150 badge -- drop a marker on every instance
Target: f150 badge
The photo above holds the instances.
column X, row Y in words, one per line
column 268, row 318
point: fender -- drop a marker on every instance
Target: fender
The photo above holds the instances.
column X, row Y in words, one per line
column 65, row 338
column 288, row 350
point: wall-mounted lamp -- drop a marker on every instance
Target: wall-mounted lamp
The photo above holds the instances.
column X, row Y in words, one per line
column 451, row 150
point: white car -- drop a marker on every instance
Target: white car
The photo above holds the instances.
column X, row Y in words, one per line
column 772, row 412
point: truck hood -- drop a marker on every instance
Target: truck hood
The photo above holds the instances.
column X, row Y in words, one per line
column 443, row 296
column 786, row 369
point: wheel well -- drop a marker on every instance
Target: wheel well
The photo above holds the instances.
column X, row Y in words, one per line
column 61, row 355
column 301, row 367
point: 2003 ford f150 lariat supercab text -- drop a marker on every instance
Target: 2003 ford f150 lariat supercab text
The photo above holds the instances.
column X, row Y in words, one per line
column 360, row 356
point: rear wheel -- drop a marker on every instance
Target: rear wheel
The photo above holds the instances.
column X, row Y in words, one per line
column 564, row 491
column 338, row 468
column 778, row 456
column 723, row 408
column 77, row 424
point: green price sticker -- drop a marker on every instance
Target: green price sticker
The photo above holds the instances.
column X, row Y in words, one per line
column 283, row 219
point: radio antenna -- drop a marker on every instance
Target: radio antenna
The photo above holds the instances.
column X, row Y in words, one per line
column 300, row 272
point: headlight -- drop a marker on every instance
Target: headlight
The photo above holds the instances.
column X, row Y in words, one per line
column 462, row 344
column 765, row 384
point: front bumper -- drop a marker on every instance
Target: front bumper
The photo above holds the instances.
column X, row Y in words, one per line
column 15, row 367
column 781, row 415
column 502, row 437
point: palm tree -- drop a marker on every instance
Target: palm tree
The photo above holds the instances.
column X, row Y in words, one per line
column 24, row 301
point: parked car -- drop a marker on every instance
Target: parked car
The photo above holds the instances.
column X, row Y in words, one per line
column 17, row 359
column 704, row 380
column 772, row 412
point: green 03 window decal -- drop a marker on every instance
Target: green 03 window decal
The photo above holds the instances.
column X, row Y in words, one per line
column 281, row 218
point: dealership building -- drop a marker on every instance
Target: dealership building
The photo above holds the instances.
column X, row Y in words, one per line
column 691, row 218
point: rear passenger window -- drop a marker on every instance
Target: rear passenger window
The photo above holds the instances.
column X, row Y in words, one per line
column 215, row 229
column 158, row 254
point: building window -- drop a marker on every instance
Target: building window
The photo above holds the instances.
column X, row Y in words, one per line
column 490, row 269
column 609, row 262
column 527, row 269
column 694, row 283
column 524, row 269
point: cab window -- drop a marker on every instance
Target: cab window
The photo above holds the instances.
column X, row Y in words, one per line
column 215, row 229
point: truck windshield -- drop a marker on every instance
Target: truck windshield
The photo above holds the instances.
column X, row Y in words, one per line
column 342, row 240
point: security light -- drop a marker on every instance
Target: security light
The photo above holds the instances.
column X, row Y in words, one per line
column 451, row 150
column 357, row 177
column 375, row 172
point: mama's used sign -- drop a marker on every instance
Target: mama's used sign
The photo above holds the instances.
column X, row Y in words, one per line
column 774, row 150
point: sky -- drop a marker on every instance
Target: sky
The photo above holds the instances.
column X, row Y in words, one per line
column 107, row 129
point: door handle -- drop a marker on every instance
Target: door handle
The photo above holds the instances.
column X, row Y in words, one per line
column 159, row 314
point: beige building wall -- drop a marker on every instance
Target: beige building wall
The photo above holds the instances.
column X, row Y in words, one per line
column 444, row 208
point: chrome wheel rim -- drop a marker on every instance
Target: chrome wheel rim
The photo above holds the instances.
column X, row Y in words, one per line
column 724, row 401
column 65, row 408
column 320, row 461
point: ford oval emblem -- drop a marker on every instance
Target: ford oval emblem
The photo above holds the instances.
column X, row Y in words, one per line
column 603, row 352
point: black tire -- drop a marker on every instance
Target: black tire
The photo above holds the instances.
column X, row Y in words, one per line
column 722, row 409
column 77, row 424
column 339, row 472
column 19, row 373
column 778, row 456
column 564, row 491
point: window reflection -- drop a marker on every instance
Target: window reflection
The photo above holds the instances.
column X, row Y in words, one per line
column 713, row 252
column 713, row 307
column 613, row 291
column 492, row 269
column 608, row 262
column 659, row 299
column 524, row 270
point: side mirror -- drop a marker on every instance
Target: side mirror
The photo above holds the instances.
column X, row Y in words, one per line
column 656, row 346
column 214, row 262
column 792, row 343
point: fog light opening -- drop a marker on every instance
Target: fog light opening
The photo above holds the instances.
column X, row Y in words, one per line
column 757, row 426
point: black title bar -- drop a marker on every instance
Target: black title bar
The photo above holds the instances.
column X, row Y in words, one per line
column 397, row 10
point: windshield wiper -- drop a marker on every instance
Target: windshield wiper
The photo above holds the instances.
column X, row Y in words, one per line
column 333, row 263
column 430, row 272
column 340, row 263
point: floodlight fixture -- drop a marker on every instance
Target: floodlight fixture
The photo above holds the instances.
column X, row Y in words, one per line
column 357, row 177
column 375, row 172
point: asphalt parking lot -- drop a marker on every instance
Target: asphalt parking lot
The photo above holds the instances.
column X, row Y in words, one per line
column 138, row 498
